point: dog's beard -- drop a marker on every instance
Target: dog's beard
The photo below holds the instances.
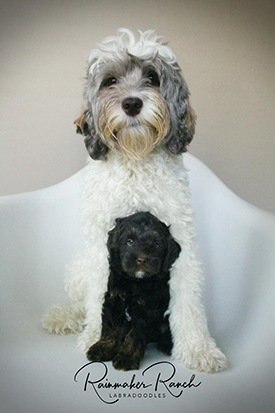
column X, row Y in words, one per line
column 136, row 141
column 134, row 136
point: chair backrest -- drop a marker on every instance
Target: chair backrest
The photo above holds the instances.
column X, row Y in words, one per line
column 41, row 230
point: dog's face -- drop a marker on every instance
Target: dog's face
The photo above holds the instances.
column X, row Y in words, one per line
column 132, row 116
column 141, row 246
column 135, row 98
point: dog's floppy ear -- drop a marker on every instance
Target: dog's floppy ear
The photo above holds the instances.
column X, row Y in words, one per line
column 183, row 117
column 183, row 135
column 94, row 145
column 173, row 251
column 81, row 124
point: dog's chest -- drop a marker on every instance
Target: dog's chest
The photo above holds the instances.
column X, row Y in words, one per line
column 118, row 187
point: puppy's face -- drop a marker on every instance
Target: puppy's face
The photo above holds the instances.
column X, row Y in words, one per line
column 141, row 250
column 141, row 246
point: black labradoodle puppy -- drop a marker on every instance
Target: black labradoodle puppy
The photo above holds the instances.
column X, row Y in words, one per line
column 141, row 253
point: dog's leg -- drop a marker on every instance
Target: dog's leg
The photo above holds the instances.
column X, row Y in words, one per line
column 192, row 343
column 70, row 319
column 96, row 286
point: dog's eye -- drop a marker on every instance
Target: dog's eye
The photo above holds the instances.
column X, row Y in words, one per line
column 110, row 81
column 153, row 77
column 130, row 242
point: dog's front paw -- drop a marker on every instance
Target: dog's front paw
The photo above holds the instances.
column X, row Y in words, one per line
column 125, row 362
column 101, row 351
column 207, row 359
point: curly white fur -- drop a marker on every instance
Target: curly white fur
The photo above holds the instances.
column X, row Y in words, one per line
column 158, row 183
column 147, row 47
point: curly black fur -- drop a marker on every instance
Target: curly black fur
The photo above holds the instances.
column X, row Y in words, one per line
column 141, row 253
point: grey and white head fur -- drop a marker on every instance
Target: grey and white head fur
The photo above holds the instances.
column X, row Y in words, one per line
column 135, row 98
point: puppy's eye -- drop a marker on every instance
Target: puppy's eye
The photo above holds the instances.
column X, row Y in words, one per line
column 110, row 81
column 153, row 77
column 130, row 242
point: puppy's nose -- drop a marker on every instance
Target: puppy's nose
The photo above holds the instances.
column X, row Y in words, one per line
column 132, row 106
column 140, row 260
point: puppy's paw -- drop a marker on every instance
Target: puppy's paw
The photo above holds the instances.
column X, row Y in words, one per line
column 125, row 362
column 101, row 351
column 165, row 347
column 165, row 343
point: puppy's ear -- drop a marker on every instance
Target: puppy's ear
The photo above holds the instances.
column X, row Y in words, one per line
column 173, row 251
column 182, row 116
column 114, row 233
column 94, row 145
column 112, row 243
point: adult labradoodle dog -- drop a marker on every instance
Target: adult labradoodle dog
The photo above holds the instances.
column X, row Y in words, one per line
column 141, row 253
column 137, row 120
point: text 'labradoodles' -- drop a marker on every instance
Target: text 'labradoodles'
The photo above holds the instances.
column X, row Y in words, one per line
column 141, row 253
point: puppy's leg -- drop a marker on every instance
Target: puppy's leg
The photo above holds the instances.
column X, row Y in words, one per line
column 112, row 322
column 165, row 343
column 133, row 347
column 104, row 349
column 130, row 354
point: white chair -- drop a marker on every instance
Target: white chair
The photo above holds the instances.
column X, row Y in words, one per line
column 40, row 231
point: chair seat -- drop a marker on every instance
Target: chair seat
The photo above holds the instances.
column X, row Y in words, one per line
column 41, row 230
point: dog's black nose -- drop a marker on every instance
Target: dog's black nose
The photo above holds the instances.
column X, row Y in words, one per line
column 132, row 106
column 140, row 260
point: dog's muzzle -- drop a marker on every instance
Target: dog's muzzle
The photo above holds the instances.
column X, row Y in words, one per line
column 133, row 125
column 141, row 266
